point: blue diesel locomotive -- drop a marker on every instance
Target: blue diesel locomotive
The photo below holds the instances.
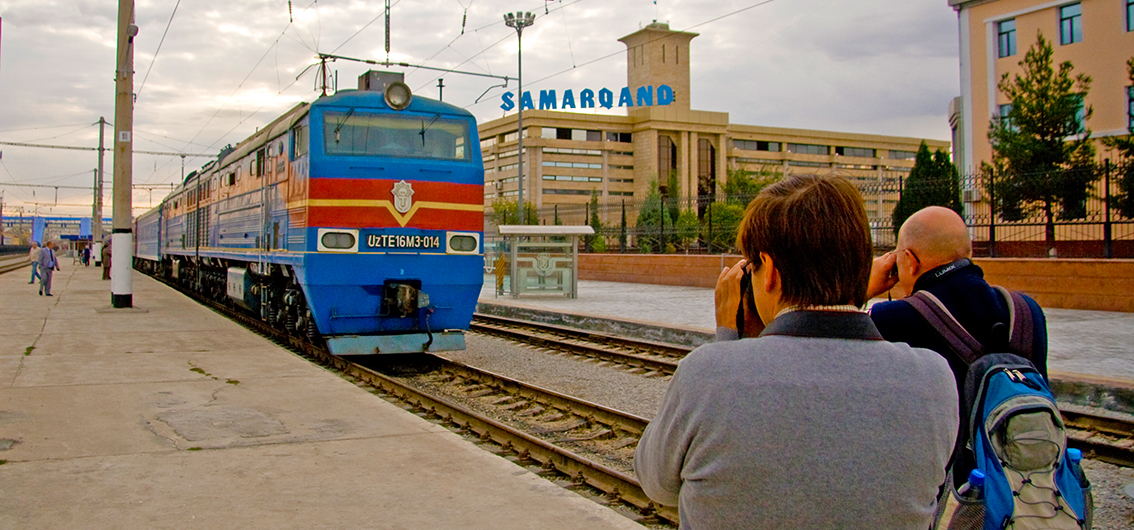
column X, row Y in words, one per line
column 356, row 220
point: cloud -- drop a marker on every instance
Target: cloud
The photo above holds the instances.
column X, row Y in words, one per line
column 228, row 67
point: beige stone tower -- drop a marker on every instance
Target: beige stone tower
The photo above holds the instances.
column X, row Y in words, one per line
column 655, row 55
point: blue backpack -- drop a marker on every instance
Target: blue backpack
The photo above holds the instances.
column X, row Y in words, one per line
column 1014, row 436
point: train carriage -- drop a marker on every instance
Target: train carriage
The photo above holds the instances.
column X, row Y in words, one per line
column 356, row 220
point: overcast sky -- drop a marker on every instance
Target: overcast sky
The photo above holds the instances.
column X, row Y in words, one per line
column 228, row 67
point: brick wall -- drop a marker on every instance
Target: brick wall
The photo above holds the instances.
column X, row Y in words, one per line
column 1104, row 285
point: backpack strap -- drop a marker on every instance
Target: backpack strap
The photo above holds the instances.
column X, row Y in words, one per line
column 1021, row 330
column 939, row 318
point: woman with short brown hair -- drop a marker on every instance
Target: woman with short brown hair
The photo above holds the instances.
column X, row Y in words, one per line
column 818, row 422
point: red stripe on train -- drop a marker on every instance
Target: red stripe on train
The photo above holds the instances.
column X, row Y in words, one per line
column 382, row 189
column 376, row 217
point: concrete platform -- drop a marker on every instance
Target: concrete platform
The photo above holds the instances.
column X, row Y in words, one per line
column 169, row 416
column 1094, row 350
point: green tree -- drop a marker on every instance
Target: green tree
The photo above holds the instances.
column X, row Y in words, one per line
column 1039, row 169
column 589, row 241
column 686, row 227
column 743, row 185
column 654, row 221
column 933, row 181
column 1124, row 145
column 721, row 220
column 622, row 234
column 504, row 212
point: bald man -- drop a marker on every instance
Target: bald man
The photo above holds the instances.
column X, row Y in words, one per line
column 933, row 254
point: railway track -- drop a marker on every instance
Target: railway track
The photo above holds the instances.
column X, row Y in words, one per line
column 13, row 262
column 1101, row 436
column 586, row 443
column 646, row 357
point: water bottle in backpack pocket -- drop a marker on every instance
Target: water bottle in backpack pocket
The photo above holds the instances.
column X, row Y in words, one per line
column 962, row 508
column 1016, row 439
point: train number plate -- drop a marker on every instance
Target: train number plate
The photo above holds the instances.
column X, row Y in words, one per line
column 403, row 242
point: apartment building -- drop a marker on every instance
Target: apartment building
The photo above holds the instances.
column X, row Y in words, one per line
column 1097, row 36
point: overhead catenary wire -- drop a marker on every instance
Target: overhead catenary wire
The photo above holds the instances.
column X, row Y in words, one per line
column 138, row 93
column 246, row 77
column 620, row 52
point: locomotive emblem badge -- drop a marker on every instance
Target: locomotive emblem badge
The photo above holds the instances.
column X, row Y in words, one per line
column 403, row 196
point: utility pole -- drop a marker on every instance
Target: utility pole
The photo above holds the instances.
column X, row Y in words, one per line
column 122, row 251
column 519, row 21
column 96, row 219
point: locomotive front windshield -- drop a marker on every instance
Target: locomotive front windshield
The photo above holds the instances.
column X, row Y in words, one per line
column 355, row 133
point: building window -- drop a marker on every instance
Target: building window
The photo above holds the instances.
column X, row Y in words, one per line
column 1080, row 114
column 1007, row 42
column 1002, row 113
column 569, row 151
column 800, row 163
column 620, row 193
column 902, row 155
column 1071, row 24
column 1130, row 108
column 1129, row 15
column 568, row 178
column 555, row 191
column 667, row 155
column 756, row 145
column 759, row 161
column 855, row 151
column 577, row 165
column 624, row 137
column 808, row 149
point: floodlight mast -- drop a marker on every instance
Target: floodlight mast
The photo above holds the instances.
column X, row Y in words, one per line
column 519, row 21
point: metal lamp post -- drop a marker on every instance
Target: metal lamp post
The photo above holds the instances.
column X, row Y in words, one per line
column 520, row 21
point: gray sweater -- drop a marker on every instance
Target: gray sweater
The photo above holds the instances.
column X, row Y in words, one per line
column 816, row 424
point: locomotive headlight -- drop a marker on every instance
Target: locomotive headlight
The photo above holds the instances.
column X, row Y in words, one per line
column 398, row 95
column 462, row 242
column 338, row 240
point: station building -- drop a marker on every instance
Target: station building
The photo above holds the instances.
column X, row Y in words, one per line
column 1096, row 36
column 570, row 155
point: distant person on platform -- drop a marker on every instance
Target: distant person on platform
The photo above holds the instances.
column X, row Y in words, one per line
column 818, row 422
column 106, row 260
column 85, row 256
column 934, row 254
column 48, row 264
column 33, row 257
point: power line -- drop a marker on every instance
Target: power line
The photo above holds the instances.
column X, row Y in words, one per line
column 592, row 61
column 133, row 186
column 154, row 60
column 77, row 148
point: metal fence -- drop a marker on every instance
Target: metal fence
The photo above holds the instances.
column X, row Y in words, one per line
column 1081, row 227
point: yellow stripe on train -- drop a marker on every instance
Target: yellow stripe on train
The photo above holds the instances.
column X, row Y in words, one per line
column 402, row 219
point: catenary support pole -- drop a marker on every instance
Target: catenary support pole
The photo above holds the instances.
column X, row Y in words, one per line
column 122, row 240
column 96, row 221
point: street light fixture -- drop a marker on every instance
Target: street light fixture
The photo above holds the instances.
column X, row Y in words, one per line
column 520, row 20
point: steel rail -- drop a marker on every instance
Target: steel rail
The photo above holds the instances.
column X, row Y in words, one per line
column 616, row 485
column 1099, row 437
column 642, row 354
column 15, row 262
